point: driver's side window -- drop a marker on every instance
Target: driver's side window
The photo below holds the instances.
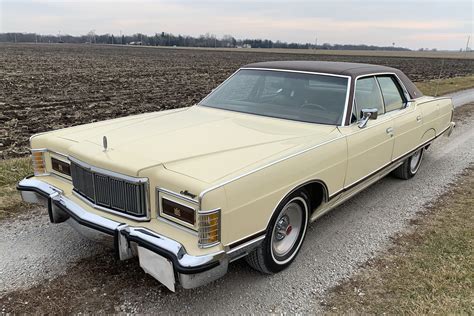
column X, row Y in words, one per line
column 367, row 96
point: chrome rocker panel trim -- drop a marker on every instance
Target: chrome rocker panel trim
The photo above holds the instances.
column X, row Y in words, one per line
column 190, row 271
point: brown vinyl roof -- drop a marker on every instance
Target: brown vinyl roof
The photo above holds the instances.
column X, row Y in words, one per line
column 339, row 68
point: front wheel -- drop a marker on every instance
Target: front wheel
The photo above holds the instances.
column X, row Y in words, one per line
column 410, row 166
column 284, row 235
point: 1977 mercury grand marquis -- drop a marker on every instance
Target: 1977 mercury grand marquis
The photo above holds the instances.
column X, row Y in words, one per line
column 242, row 173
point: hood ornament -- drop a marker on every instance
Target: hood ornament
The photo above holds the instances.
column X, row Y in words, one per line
column 104, row 142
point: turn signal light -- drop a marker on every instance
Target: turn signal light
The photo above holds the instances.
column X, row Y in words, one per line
column 39, row 166
column 209, row 228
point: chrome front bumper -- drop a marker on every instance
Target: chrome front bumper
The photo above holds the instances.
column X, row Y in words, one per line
column 163, row 258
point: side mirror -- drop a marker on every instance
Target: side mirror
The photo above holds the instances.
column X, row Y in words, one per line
column 367, row 114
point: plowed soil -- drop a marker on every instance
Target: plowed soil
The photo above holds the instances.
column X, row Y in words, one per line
column 45, row 87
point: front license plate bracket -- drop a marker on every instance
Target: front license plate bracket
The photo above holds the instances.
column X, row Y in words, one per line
column 158, row 267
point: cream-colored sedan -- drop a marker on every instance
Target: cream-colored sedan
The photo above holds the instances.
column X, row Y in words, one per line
column 242, row 173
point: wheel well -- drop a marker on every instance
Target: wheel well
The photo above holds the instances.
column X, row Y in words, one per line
column 317, row 193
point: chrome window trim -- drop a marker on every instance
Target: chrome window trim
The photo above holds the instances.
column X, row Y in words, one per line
column 296, row 71
column 404, row 89
column 346, row 101
column 383, row 117
column 344, row 115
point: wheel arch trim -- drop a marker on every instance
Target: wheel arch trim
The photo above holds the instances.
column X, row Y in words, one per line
column 296, row 188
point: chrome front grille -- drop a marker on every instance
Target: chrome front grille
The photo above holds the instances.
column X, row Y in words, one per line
column 121, row 194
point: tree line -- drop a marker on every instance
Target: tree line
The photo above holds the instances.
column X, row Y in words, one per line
column 168, row 39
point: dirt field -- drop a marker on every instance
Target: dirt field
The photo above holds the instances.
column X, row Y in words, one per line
column 44, row 87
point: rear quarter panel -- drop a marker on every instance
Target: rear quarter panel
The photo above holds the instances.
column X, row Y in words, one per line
column 437, row 115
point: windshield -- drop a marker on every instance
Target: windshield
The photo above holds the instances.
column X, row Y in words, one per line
column 288, row 95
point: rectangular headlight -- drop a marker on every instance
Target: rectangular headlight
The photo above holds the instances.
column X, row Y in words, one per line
column 209, row 228
column 178, row 211
column 61, row 166
column 37, row 157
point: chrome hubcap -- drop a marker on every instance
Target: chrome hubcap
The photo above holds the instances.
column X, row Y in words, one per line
column 287, row 229
column 415, row 161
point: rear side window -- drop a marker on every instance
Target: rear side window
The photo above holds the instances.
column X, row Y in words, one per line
column 368, row 96
column 391, row 93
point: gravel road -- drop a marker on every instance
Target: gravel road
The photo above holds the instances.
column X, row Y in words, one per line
column 335, row 246
column 462, row 97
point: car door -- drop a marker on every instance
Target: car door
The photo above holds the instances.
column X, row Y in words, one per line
column 369, row 148
column 407, row 118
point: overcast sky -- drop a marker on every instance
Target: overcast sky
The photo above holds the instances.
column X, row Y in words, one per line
column 413, row 24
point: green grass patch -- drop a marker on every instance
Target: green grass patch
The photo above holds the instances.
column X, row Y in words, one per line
column 12, row 171
column 445, row 86
column 428, row 271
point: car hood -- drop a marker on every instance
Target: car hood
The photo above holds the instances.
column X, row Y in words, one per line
column 204, row 143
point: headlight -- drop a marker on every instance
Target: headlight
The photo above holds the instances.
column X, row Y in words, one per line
column 39, row 166
column 209, row 228
column 61, row 166
column 178, row 211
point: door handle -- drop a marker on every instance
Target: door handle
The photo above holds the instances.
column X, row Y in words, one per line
column 418, row 118
column 389, row 131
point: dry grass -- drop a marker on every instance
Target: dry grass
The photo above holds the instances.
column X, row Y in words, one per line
column 445, row 86
column 428, row 271
column 12, row 171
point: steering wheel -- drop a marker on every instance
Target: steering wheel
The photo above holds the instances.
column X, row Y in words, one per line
column 314, row 105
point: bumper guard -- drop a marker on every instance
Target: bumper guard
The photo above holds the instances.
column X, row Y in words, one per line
column 163, row 258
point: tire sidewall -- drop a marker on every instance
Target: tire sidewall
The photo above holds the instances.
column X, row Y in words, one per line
column 271, row 264
column 410, row 172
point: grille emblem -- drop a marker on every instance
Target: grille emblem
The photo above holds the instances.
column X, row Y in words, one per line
column 104, row 142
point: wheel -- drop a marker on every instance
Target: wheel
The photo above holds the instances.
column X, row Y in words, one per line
column 284, row 235
column 410, row 166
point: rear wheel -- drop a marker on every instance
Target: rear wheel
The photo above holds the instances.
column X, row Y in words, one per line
column 410, row 166
column 284, row 235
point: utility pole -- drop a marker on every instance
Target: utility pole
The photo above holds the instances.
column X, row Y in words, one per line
column 121, row 41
